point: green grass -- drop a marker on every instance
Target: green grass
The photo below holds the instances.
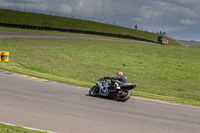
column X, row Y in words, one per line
column 17, row 17
column 169, row 73
column 16, row 129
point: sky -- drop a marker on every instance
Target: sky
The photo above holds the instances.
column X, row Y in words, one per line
column 178, row 18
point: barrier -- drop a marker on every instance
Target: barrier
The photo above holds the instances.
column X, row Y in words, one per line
column 5, row 56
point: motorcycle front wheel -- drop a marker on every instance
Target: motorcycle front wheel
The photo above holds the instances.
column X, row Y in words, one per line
column 93, row 91
column 122, row 95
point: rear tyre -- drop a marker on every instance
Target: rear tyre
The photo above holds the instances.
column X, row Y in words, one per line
column 122, row 95
column 94, row 91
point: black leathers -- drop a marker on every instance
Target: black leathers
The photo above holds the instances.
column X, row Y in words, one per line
column 119, row 79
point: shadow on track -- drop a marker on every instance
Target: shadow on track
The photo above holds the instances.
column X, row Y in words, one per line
column 101, row 97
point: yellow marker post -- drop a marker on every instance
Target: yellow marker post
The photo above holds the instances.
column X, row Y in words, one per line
column 5, row 56
column 0, row 56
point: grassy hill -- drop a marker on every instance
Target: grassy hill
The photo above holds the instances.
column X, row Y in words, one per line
column 17, row 17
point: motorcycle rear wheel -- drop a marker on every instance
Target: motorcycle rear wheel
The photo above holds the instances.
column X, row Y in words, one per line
column 122, row 95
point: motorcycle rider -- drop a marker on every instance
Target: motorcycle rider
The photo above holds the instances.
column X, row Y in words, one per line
column 120, row 91
column 118, row 80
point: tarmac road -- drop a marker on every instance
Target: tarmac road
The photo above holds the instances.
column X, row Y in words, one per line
column 68, row 109
column 4, row 34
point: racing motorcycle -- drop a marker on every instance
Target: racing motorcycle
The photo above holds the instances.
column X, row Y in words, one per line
column 112, row 90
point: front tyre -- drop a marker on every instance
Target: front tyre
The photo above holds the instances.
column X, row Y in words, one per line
column 94, row 91
column 122, row 95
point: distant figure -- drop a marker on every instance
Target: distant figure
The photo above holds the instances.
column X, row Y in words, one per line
column 136, row 26
column 160, row 32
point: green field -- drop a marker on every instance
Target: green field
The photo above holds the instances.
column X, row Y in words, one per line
column 16, row 129
column 169, row 73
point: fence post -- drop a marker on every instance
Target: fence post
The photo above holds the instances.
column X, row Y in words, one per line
column 25, row 8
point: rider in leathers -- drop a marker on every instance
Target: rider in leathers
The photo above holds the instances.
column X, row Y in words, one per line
column 118, row 80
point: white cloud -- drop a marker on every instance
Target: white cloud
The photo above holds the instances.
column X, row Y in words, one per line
column 188, row 22
column 65, row 9
column 137, row 19
column 92, row 8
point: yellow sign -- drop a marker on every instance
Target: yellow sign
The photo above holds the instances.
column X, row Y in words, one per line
column 5, row 56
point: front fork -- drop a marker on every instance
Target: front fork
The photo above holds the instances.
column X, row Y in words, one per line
column 102, row 91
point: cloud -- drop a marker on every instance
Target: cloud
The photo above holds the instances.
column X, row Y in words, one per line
column 89, row 7
column 138, row 19
column 22, row 1
column 188, row 22
column 65, row 9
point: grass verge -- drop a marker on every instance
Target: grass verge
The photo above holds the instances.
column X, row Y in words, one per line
column 16, row 129
column 167, row 73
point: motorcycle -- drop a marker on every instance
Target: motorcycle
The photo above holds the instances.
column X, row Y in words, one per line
column 112, row 90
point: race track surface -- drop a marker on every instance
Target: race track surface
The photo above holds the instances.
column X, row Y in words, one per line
column 31, row 35
column 68, row 109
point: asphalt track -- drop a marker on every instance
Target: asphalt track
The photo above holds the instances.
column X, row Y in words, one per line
column 63, row 108
column 68, row 109
column 31, row 35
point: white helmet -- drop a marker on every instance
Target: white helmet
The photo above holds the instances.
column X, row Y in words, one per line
column 119, row 74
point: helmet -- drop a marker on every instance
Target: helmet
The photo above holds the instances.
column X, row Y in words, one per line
column 119, row 74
